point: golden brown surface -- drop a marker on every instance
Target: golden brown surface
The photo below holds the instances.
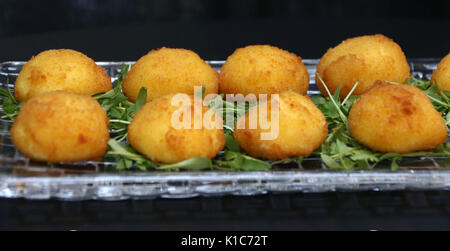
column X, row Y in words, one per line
column 168, row 71
column 61, row 127
column 65, row 70
column 365, row 59
column 152, row 134
column 263, row 69
column 398, row 119
column 302, row 129
column 442, row 74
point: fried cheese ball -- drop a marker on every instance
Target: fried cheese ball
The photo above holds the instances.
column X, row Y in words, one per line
column 302, row 129
column 396, row 119
column 153, row 133
column 364, row 59
column 61, row 70
column 263, row 69
column 169, row 71
column 61, row 127
column 441, row 75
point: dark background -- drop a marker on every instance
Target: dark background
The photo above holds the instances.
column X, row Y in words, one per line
column 20, row 17
column 127, row 29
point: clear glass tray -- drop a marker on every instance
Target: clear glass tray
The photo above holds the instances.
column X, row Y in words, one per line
column 22, row 178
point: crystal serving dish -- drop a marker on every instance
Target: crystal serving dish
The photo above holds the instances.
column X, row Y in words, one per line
column 22, row 178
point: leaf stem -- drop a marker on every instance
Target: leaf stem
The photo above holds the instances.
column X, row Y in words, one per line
column 119, row 121
column 126, row 154
column 350, row 93
column 438, row 101
column 341, row 114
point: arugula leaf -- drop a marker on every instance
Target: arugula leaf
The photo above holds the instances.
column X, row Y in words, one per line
column 203, row 90
column 330, row 162
column 141, row 100
column 440, row 99
column 419, row 83
column 335, row 100
column 251, row 164
column 231, row 143
column 241, row 162
column 197, row 164
column 364, row 154
column 229, row 110
column 126, row 156
column 119, row 110
column 114, row 101
column 202, row 93
column 447, row 119
column 297, row 161
column 10, row 105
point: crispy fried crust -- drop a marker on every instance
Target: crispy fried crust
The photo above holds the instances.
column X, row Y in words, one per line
column 365, row 60
column 302, row 129
column 152, row 134
column 397, row 119
column 442, row 74
column 65, row 70
column 263, row 69
column 61, row 127
column 168, row 71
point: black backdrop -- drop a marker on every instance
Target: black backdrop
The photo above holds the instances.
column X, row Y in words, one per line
column 127, row 29
column 22, row 16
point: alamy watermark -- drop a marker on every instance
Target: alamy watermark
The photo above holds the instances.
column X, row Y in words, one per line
column 258, row 116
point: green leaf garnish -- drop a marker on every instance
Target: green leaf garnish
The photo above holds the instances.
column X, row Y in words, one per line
column 229, row 110
column 119, row 110
column 240, row 162
column 335, row 100
column 10, row 105
column 231, row 143
column 126, row 156
column 196, row 164
column 440, row 99
column 142, row 99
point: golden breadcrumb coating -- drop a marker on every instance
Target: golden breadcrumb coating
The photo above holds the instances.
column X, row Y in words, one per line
column 397, row 119
column 365, row 60
column 61, row 70
column 302, row 129
column 441, row 75
column 152, row 134
column 61, row 127
column 263, row 69
column 169, row 71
